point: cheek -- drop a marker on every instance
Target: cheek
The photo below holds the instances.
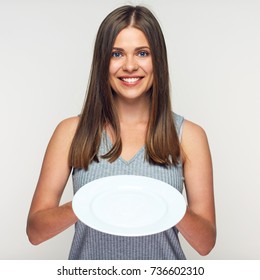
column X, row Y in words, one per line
column 111, row 71
column 111, row 75
column 148, row 67
column 113, row 68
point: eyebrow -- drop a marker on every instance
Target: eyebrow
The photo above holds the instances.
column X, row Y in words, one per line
column 137, row 49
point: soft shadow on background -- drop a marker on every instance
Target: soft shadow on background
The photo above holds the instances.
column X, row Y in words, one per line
column 213, row 47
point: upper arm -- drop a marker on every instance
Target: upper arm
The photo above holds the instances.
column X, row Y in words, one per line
column 198, row 171
column 55, row 167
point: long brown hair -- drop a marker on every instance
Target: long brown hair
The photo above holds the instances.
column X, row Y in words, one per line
column 162, row 143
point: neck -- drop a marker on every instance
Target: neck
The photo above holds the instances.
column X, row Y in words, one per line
column 131, row 112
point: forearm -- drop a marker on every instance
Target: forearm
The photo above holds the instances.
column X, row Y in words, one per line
column 199, row 232
column 45, row 224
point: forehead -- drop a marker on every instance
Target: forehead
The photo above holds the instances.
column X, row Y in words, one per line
column 129, row 37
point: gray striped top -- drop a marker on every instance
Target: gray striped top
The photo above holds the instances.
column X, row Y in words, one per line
column 91, row 244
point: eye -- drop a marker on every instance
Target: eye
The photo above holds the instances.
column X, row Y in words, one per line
column 143, row 53
column 117, row 54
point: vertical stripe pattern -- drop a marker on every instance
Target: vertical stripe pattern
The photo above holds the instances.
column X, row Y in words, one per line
column 91, row 244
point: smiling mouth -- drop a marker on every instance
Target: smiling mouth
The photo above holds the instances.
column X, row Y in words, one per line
column 131, row 80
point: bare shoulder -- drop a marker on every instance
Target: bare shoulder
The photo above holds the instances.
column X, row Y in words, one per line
column 63, row 134
column 68, row 125
column 194, row 139
column 192, row 130
column 66, row 128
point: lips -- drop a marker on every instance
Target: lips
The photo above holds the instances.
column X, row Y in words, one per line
column 130, row 80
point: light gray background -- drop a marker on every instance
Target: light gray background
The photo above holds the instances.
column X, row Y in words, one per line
column 214, row 56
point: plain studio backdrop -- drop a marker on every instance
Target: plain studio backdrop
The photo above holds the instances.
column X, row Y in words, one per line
column 213, row 47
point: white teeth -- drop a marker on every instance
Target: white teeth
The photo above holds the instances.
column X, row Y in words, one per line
column 130, row 80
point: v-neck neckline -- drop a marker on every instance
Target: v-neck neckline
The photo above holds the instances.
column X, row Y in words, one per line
column 127, row 162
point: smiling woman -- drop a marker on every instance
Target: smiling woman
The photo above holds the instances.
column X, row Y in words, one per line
column 127, row 127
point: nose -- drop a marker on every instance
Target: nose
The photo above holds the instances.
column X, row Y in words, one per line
column 130, row 64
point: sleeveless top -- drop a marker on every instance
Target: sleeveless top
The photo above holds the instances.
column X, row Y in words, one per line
column 90, row 244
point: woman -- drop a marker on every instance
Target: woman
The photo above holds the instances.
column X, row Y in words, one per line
column 127, row 127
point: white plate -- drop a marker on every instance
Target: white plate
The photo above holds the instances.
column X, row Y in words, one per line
column 129, row 205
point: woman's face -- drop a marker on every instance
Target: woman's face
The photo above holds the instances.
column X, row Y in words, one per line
column 131, row 68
